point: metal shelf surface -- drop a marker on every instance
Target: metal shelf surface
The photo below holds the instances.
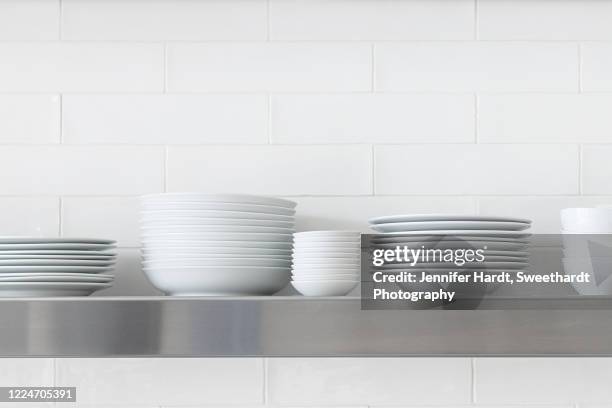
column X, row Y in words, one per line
column 293, row 326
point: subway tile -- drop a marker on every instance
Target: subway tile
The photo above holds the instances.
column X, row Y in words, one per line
column 596, row 66
column 371, row 20
column 168, row 381
column 476, row 67
column 328, row 381
column 175, row 119
column 542, row 380
column 544, row 20
column 477, row 169
column 130, row 280
column 81, row 67
column 57, row 170
column 35, row 20
column 543, row 211
column 596, row 169
column 89, row 216
column 372, row 118
column 30, row 216
column 352, row 213
column 275, row 170
column 160, row 20
column 545, row 118
column 17, row 124
column 260, row 67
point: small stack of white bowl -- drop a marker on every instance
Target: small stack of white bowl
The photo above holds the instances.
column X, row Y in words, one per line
column 326, row 263
column 587, row 247
column 217, row 244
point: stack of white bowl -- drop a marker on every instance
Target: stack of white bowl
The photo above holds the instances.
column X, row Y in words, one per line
column 326, row 263
column 217, row 244
column 587, row 247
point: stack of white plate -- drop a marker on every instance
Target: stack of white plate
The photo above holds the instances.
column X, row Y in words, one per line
column 55, row 266
column 217, row 244
column 326, row 263
column 502, row 239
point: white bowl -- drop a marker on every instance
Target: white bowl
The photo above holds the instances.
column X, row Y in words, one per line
column 588, row 220
column 220, row 281
column 587, row 245
column 212, row 262
column 324, row 288
column 330, row 246
column 330, row 262
column 226, row 198
column 326, row 240
column 220, row 251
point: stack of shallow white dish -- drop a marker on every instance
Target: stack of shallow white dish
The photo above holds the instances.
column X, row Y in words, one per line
column 55, row 266
column 217, row 244
column 326, row 263
column 502, row 239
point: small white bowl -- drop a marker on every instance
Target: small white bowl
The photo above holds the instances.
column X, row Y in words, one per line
column 324, row 269
column 587, row 220
column 324, row 288
column 321, row 234
column 339, row 276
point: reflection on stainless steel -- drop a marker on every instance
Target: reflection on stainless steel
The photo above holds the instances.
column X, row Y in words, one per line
column 296, row 326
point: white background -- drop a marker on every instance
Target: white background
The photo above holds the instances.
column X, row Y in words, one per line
column 354, row 108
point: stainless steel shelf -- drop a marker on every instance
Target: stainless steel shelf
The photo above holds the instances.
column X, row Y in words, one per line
column 294, row 326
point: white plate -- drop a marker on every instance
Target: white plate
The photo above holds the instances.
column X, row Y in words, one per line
column 49, row 289
column 47, row 277
column 165, row 229
column 213, row 262
column 56, row 246
column 491, row 258
column 348, row 277
column 339, row 246
column 327, row 234
column 154, row 245
column 203, row 206
column 450, row 225
column 55, row 262
column 82, row 269
column 442, row 217
column 217, row 236
column 35, row 240
column 4, row 255
column 443, row 239
column 324, row 270
column 176, row 221
column 241, row 215
column 219, row 281
column 223, row 198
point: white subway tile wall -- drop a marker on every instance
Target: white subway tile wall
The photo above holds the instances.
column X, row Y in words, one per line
column 354, row 108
